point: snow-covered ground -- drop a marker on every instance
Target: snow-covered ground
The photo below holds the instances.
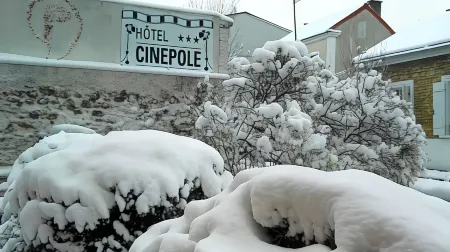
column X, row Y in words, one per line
column 437, row 175
column 5, row 171
column 432, row 187
column 355, row 210
column 434, row 183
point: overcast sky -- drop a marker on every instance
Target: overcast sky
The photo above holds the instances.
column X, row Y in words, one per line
column 397, row 13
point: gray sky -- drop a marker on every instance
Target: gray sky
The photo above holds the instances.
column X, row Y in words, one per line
column 397, row 13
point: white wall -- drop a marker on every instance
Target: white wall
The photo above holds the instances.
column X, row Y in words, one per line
column 254, row 33
column 100, row 38
column 438, row 151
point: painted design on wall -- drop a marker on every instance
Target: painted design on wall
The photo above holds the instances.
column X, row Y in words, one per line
column 166, row 41
column 55, row 14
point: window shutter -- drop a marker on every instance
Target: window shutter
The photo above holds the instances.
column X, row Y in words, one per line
column 439, row 109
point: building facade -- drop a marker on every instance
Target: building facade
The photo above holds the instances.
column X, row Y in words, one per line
column 418, row 62
column 342, row 36
column 250, row 32
column 104, row 64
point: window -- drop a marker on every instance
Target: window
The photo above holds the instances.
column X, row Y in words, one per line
column 404, row 89
column 441, row 108
column 362, row 29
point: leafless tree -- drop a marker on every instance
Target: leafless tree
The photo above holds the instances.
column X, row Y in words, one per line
column 235, row 45
column 222, row 6
column 357, row 47
column 225, row 7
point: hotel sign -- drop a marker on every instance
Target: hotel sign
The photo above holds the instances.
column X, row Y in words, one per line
column 155, row 38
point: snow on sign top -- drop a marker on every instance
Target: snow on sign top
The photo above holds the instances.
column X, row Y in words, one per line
column 320, row 26
column 150, row 4
column 422, row 35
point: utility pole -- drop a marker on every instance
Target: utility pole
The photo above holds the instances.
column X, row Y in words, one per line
column 295, row 19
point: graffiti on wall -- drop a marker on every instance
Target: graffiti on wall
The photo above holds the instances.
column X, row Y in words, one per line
column 52, row 16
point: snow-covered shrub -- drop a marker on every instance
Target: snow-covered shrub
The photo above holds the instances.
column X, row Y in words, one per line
column 350, row 210
column 286, row 108
column 370, row 127
column 258, row 118
column 10, row 234
column 98, row 193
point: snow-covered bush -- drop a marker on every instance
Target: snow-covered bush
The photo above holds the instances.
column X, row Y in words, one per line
column 274, row 209
column 259, row 117
column 87, row 192
column 286, row 108
column 370, row 127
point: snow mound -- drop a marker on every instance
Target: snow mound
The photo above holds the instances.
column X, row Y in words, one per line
column 100, row 192
column 293, row 207
column 53, row 143
column 70, row 128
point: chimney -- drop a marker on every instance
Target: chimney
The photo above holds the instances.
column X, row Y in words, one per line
column 375, row 5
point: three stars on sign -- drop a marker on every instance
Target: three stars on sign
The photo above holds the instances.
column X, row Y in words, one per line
column 188, row 39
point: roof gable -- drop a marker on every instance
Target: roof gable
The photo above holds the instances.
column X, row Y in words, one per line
column 260, row 19
column 332, row 22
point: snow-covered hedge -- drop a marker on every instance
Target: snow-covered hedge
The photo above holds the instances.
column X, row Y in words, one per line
column 87, row 192
column 285, row 107
column 277, row 208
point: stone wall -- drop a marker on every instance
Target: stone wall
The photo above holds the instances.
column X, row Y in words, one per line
column 424, row 73
column 33, row 99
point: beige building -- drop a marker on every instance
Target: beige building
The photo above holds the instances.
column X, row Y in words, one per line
column 418, row 60
column 342, row 36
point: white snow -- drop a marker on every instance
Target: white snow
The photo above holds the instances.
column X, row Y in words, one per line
column 421, row 35
column 214, row 111
column 264, row 144
column 102, row 66
column 70, row 128
column 5, row 171
column 433, row 174
column 78, row 173
column 321, row 26
column 293, row 49
column 149, row 4
column 48, row 145
column 436, row 188
column 269, row 110
column 4, row 186
column 121, row 230
column 366, row 213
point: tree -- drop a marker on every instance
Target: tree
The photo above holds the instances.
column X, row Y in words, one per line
column 235, row 45
column 221, row 6
column 225, row 7
column 286, row 108
column 259, row 116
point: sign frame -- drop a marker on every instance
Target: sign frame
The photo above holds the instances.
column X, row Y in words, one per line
column 156, row 38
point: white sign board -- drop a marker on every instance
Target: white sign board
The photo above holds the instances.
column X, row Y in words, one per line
column 155, row 38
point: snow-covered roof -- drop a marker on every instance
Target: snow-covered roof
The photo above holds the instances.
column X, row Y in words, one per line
column 320, row 26
column 331, row 23
column 149, row 4
column 422, row 35
column 259, row 18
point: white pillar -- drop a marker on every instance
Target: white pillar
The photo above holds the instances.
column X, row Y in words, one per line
column 331, row 54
